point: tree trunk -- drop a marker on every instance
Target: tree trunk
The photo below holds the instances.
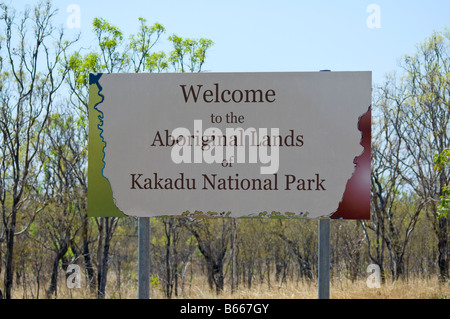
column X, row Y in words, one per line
column 218, row 275
column 9, row 271
column 214, row 258
column 268, row 272
column 90, row 277
column 110, row 224
column 169, row 279
column 175, row 261
column 54, row 279
column 443, row 248
column 103, row 271
column 233, row 256
column 109, row 227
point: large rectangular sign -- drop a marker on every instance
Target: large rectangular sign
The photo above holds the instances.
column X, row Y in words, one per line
column 230, row 144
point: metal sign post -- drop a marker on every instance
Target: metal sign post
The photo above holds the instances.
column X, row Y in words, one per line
column 324, row 254
column 324, row 258
column 144, row 257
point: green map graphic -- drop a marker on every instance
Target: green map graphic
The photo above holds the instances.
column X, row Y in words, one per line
column 100, row 198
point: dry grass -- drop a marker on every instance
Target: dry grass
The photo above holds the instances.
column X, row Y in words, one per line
column 411, row 289
column 343, row 289
column 339, row 289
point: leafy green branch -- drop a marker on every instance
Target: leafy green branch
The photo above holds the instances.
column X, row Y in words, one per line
column 442, row 161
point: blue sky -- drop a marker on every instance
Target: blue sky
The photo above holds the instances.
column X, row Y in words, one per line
column 281, row 35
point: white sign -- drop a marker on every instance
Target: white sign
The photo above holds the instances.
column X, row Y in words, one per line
column 234, row 144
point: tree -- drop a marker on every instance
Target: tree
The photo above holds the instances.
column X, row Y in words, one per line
column 172, row 247
column 188, row 53
column 142, row 58
column 385, row 180
column 61, row 159
column 391, row 225
column 413, row 128
column 300, row 246
column 424, row 128
column 442, row 162
column 30, row 80
column 233, row 248
column 213, row 239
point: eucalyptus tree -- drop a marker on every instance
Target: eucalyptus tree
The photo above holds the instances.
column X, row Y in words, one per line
column 213, row 241
column 30, row 49
column 62, row 160
column 424, row 128
column 414, row 127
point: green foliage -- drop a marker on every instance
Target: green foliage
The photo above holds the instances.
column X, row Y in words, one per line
column 110, row 39
column 141, row 45
column 118, row 55
column 155, row 281
column 188, row 53
column 81, row 66
column 442, row 162
column 157, row 62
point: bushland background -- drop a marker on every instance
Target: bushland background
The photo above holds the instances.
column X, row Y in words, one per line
column 45, row 230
